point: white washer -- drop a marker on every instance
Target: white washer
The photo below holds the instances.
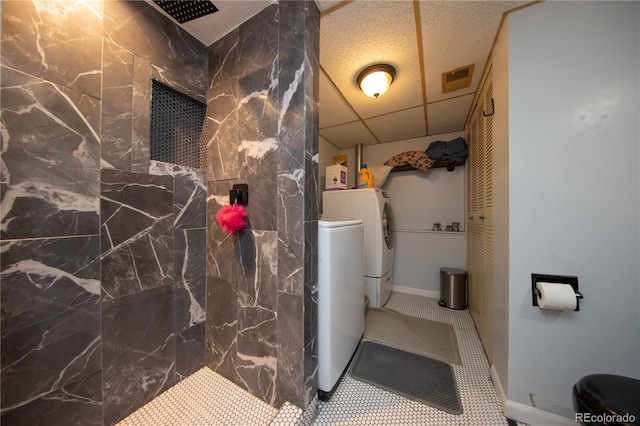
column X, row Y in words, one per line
column 340, row 298
column 373, row 207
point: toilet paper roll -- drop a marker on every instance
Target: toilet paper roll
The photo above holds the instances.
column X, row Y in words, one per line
column 556, row 296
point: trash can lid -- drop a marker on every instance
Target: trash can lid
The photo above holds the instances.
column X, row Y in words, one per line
column 453, row 271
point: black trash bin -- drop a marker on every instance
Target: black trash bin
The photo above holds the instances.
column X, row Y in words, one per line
column 453, row 288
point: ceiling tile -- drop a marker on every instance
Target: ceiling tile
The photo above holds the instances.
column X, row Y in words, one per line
column 339, row 111
column 405, row 124
column 348, row 135
column 455, row 34
column 448, row 116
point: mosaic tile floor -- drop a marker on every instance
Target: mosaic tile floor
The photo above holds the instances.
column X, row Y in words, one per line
column 204, row 398
column 357, row 403
column 207, row 398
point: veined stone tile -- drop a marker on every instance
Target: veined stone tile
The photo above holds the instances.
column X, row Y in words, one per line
column 291, row 231
column 190, row 201
column 137, row 237
column 190, row 193
column 138, row 350
column 222, row 130
column 190, row 278
column 50, row 159
column 68, row 36
column 190, row 349
column 258, row 151
column 50, row 291
column 258, row 41
column 72, row 404
column 290, row 339
column 294, row 77
column 180, row 58
column 221, row 332
column 223, row 59
column 256, row 369
column 117, row 113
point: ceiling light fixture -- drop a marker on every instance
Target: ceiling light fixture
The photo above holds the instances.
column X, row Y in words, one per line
column 376, row 79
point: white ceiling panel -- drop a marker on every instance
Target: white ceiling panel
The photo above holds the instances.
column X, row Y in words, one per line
column 405, row 124
column 348, row 135
column 455, row 34
column 340, row 111
column 448, row 116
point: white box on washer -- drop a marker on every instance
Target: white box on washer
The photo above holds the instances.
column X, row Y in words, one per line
column 336, row 177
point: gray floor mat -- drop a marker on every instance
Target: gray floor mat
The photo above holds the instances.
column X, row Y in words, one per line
column 413, row 376
column 432, row 339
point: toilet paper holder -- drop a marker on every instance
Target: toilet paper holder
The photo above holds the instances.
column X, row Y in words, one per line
column 559, row 279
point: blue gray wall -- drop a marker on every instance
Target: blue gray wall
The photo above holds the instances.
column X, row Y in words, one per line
column 566, row 200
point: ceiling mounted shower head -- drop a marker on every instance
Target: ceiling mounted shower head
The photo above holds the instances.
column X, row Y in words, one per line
column 186, row 10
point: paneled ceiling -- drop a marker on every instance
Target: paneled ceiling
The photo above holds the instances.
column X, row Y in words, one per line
column 421, row 39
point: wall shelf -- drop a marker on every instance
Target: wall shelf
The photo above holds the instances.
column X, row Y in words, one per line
column 438, row 164
column 428, row 231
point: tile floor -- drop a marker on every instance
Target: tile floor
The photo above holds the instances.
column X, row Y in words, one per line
column 356, row 403
column 204, row 398
column 207, row 398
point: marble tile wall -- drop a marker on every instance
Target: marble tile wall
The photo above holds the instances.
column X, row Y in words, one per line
column 83, row 245
column 51, row 337
column 261, row 284
column 153, row 283
column 141, row 44
column 189, row 264
column 103, row 278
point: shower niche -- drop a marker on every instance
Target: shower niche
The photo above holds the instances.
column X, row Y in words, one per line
column 178, row 130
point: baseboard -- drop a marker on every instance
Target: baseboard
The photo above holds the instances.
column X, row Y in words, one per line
column 502, row 396
column 524, row 413
column 416, row 291
column 534, row 416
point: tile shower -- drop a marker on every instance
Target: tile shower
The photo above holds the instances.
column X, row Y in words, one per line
column 115, row 282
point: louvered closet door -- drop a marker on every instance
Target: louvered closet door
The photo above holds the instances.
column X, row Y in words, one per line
column 479, row 225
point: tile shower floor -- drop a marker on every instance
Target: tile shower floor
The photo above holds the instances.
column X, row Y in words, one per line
column 207, row 398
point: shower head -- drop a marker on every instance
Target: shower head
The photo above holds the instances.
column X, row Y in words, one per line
column 205, row 21
column 186, row 10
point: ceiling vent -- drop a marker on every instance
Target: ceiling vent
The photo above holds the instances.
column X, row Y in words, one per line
column 458, row 78
column 186, row 10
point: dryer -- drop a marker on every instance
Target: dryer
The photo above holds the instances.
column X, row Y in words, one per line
column 373, row 207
